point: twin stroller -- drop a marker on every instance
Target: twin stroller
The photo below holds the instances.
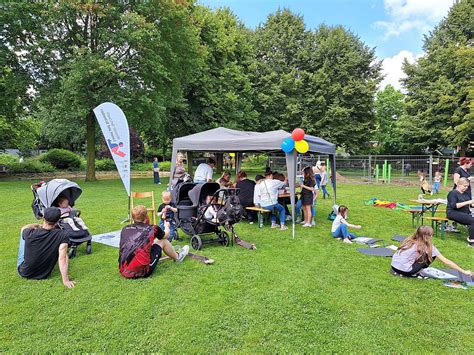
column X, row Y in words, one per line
column 47, row 194
column 194, row 202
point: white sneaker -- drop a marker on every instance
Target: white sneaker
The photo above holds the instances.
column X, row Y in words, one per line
column 283, row 227
column 313, row 223
column 274, row 225
column 182, row 254
column 347, row 240
column 288, row 218
column 251, row 222
column 307, row 225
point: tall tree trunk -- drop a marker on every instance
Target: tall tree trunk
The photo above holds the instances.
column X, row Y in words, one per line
column 90, row 174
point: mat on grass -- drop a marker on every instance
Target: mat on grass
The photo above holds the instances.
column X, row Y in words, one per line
column 398, row 238
column 387, row 252
column 366, row 240
column 110, row 238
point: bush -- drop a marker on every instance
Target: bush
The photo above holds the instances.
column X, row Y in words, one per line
column 61, row 159
column 31, row 166
column 8, row 159
column 105, row 165
column 164, row 166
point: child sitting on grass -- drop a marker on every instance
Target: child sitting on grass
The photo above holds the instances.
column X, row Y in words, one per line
column 339, row 226
column 418, row 252
column 166, row 212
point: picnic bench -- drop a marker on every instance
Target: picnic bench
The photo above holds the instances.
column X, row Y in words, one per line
column 438, row 223
column 260, row 214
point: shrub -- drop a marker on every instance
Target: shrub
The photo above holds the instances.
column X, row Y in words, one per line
column 31, row 166
column 8, row 159
column 105, row 165
column 61, row 159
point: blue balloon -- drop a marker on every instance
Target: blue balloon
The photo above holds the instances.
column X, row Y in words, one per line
column 288, row 145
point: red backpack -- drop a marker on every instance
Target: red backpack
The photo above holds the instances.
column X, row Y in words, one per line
column 135, row 244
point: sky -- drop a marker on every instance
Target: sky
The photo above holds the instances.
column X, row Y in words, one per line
column 395, row 28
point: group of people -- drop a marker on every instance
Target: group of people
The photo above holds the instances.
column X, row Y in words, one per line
column 142, row 244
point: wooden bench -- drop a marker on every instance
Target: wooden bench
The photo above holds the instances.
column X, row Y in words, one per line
column 437, row 222
column 260, row 213
column 415, row 214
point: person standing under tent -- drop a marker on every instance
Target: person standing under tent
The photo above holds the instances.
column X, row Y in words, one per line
column 204, row 171
column 307, row 195
column 266, row 197
column 324, row 180
column 156, row 171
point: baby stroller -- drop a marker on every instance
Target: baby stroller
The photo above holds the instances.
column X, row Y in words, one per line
column 45, row 194
column 193, row 207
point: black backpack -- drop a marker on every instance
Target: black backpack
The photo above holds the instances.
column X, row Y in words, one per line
column 231, row 212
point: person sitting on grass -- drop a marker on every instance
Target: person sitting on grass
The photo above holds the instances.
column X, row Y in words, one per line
column 141, row 246
column 166, row 212
column 418, row 252
column 266, row 197
column 340, row 224
column 41, row 246
column 457, row 208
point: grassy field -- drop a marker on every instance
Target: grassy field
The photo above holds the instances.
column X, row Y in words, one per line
column 310, row 294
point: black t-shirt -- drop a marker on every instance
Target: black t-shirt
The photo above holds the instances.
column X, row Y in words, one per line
column 247, row 188
column 170, row 213
column 463, row 173
column 41, row 252
column 455, row 197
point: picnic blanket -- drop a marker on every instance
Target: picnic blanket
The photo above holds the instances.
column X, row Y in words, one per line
column 110, row 238
column 374, row 201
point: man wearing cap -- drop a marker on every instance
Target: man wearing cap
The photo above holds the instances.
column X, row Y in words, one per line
column 41, row 245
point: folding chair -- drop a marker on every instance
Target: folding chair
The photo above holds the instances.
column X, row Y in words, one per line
column 142, row 195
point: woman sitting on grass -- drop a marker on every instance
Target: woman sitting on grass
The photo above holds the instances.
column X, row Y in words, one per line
column 339, row 225
column 418, row 252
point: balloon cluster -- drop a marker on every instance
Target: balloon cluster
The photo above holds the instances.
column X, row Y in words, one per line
column 296, row 141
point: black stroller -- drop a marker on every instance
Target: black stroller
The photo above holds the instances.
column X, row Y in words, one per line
column 46, row 195
column 190, row 200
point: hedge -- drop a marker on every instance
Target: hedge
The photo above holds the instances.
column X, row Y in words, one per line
column 62, row 159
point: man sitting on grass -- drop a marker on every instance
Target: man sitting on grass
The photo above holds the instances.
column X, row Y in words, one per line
column 141, row 246
column 41, row 246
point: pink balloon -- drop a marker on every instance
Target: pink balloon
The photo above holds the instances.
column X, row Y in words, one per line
column 298, row 134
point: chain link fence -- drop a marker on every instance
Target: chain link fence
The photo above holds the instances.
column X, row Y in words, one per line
column 399, row 168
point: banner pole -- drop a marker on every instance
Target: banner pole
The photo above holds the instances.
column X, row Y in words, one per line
column 128, row 213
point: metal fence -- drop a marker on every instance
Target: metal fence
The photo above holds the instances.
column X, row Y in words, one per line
column 368, row 167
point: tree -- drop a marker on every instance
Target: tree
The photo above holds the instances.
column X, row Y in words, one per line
column 324, row 80
column 440, row 85
column 221, row 92
column 389, row 108
column 79, row 55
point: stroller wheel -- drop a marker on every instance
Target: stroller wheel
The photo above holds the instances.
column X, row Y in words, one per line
column 224, row 238
column 88, row 248
column 196, row 242
column 72, row 252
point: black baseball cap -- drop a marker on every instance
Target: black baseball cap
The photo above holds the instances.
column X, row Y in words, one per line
column 52, row 215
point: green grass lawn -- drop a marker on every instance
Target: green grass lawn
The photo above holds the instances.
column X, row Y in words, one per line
column 310, row 294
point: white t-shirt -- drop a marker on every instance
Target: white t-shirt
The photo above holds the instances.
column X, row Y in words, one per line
column 266, row 192
column 404, row 260
column 203, row 173
column 337, row 222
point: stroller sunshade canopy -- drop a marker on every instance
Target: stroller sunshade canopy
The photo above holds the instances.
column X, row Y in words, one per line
column 199, row 192
column 50, row 191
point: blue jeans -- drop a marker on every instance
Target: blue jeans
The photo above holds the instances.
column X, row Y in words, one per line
column 436, row 187
column 325, row 192
column 342, row 232
column 298, row 206
column 156, row 177
column 172, row 229
column 281, row 212
column 21, row 251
